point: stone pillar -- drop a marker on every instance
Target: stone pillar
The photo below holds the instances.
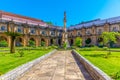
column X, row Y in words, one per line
column 26, row 36
column 25, row 39
column 94, row 41
column 37, row 41
column 106, row 27
column 83, row 41
column 47, row 42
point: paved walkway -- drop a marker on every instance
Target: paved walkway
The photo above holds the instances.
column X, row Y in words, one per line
column 60, row 66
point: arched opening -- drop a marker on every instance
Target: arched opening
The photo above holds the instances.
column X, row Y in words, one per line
column 71, row 42
column 59, row 42
column 100, row 39
column 19, row 42
column 2, row 38
column 88, row 41
column 100, row 42
column 51, row 41
column 32, row 42
column 3, row 41
column 42, row 42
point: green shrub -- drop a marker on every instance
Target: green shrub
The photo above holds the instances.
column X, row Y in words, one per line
column 78, row 42
column 21, row 53
column 101, row 45
column 89, row 45
column 65, row 45
column 116, row 76
column 105, row 48
column 3, row 43
column 31, row 43
column 54, row 47
column 42, row 43
column 91, row 49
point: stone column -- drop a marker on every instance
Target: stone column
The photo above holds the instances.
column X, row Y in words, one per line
column 106, row 27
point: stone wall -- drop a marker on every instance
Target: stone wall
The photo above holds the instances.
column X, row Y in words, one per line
column 95, row 72
column 21, row 70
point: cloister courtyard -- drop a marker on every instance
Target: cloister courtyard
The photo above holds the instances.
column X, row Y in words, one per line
column 61, row 65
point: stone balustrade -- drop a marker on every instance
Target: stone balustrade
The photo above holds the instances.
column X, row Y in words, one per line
column 21, row 70
column 95, row 72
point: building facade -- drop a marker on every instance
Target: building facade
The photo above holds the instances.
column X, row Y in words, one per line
column 92, row 31
column 39, row 31
column 30, row 28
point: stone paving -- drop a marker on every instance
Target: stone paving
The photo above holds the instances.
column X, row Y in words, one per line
column 60, row 66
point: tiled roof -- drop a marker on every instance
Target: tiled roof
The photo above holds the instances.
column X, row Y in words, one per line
column 18, row 16
column 21, row 19
column 96, row 23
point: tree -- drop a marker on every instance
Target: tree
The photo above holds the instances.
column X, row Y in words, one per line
column 109, row 37
column 78, row 42
column 13, row 36
column 49, row 23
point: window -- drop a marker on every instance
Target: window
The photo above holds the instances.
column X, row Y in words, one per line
column 52, row 33
column 32, row 31
column 43, row 33
column 3, row 28
column 78, row 33
column 60, row 34
column 114, row 29
column 87, row 32
column 99, row 31
column 19, row 29
column 71, row 34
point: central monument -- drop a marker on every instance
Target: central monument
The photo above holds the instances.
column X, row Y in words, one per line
column 65, row 34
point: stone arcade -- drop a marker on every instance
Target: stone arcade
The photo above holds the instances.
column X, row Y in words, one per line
column 38, row 31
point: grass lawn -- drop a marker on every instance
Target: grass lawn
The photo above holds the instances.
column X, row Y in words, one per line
column 10, row 61
column 110, row 65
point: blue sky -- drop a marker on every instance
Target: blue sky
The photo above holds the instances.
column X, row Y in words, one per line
column 52, row 10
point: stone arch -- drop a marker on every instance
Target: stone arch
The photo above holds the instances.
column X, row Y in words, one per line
column 71, row 42
column 59, row 42
column 43, row 42
column 19, row 41
column 100, row 39
column 6, row 43
column 88, row 40
column 51, row 41
column 32, row 41
column 3, row 38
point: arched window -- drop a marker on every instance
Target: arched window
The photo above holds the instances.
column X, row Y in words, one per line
column 114, row 29
column 43, row 33
column 19, row 29
column 52, row 33
column 32, row 31
column 3, row 28
column 88, row 32
column 78, row 33
column 99, row 31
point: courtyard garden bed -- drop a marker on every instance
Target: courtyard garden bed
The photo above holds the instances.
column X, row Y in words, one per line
column 110, row 65
column 10, row 61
